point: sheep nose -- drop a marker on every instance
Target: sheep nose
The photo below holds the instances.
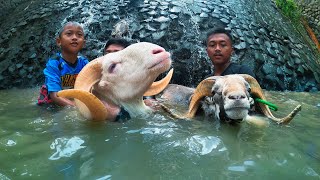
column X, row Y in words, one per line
column 158, row 50
column 236, row 97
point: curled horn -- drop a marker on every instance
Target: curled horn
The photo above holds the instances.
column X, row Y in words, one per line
column 256, row 91
column 202, row 90
column 89, row 105
column 160, row 85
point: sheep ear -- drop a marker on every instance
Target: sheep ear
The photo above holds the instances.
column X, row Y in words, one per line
column 89, row 105
column 160, row 85
column 256, row 92
column 202, row 90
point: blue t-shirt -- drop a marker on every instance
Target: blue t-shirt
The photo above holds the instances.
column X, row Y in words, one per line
column 59, row 74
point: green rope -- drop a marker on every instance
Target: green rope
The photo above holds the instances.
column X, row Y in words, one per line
column 271, row 106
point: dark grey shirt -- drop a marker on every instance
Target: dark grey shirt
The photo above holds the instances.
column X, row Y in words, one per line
column 234, row 68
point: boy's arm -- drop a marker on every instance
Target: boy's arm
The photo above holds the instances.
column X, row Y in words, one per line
column 60, row 100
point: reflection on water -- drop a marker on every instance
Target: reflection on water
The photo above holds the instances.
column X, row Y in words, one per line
column 37, row 142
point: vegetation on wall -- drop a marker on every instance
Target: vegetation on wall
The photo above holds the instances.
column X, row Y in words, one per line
column 290, row 9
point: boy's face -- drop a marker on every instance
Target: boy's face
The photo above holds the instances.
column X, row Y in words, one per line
column 71, row 39
column 219, row 48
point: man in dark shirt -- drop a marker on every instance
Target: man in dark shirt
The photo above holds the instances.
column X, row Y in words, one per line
column 115, row 44
column 219, row 49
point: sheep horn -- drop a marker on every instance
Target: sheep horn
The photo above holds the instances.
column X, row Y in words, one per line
column 160, row 85
column 256, row 91
column 202, row 90
column 91, row 107
column 89, row 75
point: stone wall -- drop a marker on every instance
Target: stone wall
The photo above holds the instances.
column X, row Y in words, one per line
column 264, row 40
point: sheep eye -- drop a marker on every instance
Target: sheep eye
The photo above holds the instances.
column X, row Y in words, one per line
column 112, row 67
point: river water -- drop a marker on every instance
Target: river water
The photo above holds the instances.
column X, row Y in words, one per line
column 43, row 143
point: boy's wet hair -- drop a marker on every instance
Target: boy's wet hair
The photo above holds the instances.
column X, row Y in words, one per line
column 72, row 23
column 217, row 31
column 118, row 41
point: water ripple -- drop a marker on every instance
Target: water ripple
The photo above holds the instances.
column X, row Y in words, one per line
column 203, row 144
column 65, row 147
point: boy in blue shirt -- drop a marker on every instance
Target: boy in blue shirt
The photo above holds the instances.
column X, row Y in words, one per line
column 61, row 71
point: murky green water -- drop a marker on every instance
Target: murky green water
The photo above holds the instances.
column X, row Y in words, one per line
column 39, row 143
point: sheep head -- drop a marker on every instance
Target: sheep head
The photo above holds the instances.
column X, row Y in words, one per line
column 231, row 94
column 120, row 79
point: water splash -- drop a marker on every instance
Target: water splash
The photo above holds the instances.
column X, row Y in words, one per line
column 66, row 147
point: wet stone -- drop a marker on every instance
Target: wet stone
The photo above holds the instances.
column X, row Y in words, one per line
column 162, row 19
column 22, row 72
column 271, row 52
column 287, row 71
column 295, row 53
column 158, row 35
column 175, row 10
column 152, row 12
column 299, row 46
column 150, row 19
column 233, row 22
column 280, row 60
column 262, row 31
column 163, row 13
column 205, row 10
column 240, row 46
column 164, row 3
column 274, row 45
column 297, row 60
column 224, row 20
column 258, row 56
column 163, row 7
column 280, row 71
column 195, row 9
column 210, row 7
column 33, row 55
column 154, row 3
column 144, row 10
column 291, row 39
column 164, row 26
column 290, row 63
column 250, row 41
column 176, row 3
column 148, row 27
column 258, row 41
column 268, row 69
column 173, row 16
column 30, row 69
column 267, row 44
column 204, row 15
column 239, row 32
column 153, row 7
column 215, row 15
column 300, row 70
column 217, row 11
column 19, row 65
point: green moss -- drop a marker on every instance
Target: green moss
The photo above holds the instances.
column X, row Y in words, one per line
column 290, row 9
